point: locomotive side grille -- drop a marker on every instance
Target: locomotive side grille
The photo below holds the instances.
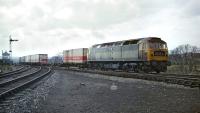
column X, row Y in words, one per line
column 159, row 53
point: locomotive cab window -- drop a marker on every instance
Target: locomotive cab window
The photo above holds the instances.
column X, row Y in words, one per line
column 130, row 42
column 157, row 45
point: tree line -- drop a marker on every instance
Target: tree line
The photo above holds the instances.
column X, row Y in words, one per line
column 186, row 57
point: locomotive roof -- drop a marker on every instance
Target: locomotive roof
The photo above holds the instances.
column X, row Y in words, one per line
column 123, row 42
column 132, row 41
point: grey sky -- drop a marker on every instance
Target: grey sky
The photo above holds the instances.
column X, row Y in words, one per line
column 50, row 26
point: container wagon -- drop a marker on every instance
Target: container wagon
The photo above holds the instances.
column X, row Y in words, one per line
column 39, row 59
column 75, row 57
column 34, row 59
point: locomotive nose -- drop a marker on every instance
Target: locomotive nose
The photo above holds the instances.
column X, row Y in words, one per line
column 158, row 55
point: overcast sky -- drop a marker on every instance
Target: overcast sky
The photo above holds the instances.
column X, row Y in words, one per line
column 50, row 26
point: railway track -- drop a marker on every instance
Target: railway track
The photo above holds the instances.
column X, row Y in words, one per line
column 10, row 86
column 16, row 72
column 22, row 73
column 185, row 80
column 10, row 72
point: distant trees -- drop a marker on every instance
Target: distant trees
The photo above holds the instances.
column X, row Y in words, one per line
column 187, row 57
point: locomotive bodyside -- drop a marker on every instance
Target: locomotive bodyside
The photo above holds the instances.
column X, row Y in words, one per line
column 114, row 55
column 146, row 54
column 130, row 52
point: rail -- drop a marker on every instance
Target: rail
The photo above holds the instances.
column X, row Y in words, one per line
column 13, row 71
column 9, row 91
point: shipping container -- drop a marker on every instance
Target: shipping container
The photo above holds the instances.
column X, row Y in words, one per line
column 75, row 55
column 43, row 58
column 27, row 59
column 35, row 59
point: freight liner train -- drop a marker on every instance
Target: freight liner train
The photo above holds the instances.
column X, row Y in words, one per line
column 144, row 54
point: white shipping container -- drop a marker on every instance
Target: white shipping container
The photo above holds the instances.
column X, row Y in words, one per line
column 23, row 59
column 37, row 58
column 26, row 59
column 75, row 55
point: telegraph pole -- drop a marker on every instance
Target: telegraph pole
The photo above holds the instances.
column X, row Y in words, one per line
column 10, row 44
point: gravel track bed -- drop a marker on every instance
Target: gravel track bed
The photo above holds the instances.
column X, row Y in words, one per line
column 28, row 100
column 77, row 92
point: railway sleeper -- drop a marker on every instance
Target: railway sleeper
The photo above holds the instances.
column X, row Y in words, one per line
column 159, row 79
column 180, row 82
column 143, row 77
column 136, row 76
column 173, row 81
column 168, row 80
column 187, row 83
column 140, row 77
column 195, row 84
column 155, row 79
column 151, row 78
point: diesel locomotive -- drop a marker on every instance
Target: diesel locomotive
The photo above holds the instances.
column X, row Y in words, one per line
column 144, row 54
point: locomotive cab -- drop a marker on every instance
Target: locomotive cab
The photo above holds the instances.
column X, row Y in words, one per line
column 153, row 51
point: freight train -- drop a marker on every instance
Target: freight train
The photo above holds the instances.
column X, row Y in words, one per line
column 144, row 54
column 37, row 59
